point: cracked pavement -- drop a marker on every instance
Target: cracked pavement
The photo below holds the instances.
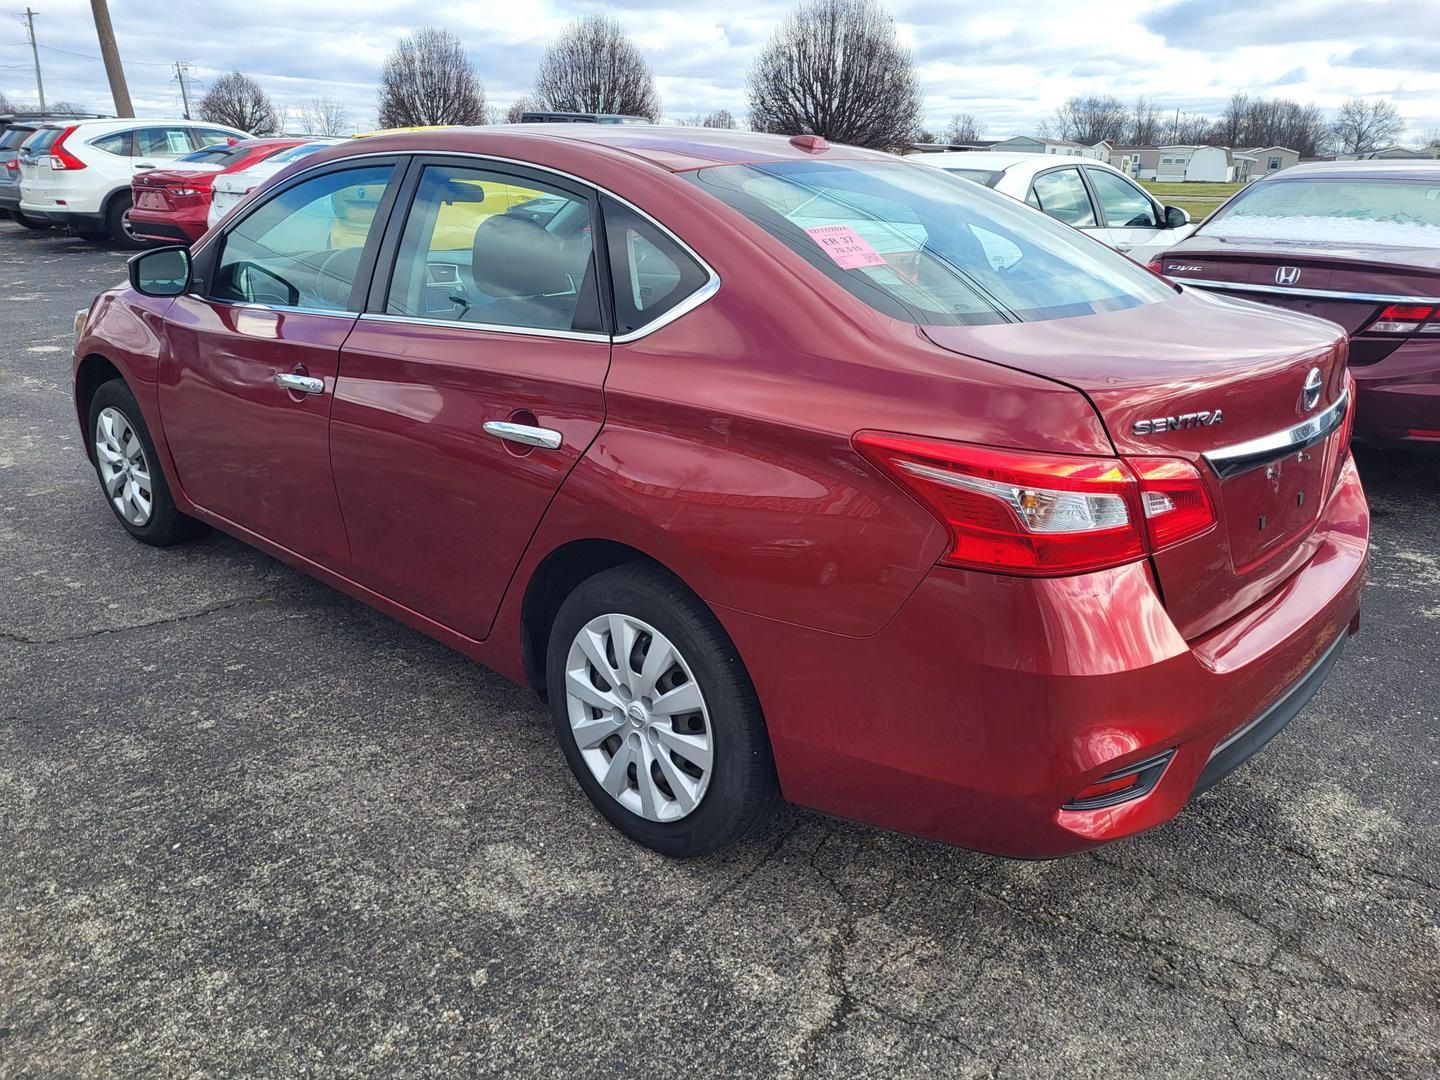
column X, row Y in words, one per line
column 251, row 827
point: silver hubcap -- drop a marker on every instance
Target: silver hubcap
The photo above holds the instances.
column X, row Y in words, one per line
column 638, row 717
column 123, row 468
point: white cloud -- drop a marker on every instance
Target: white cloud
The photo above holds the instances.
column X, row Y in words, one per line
column 1010, row 65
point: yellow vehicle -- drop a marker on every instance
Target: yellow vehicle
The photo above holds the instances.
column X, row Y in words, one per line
column 455, row 230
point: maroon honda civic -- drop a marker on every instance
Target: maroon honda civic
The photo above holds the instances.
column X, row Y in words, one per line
column 1355, row 242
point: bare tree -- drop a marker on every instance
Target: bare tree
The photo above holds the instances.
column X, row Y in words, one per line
column 719, row 118
column 428, row 79
column 1362, row 126
column 237, row 101
column 964, row 128
column 324, row 116
column 1432, row 138
column 516, row 112
column 594, row 67
column 836, row 68
column 1090, row 119
column 1190, row 129
column 1145, row 123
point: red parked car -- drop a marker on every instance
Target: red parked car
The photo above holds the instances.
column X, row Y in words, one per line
column 780, row 469
column 1356, row 242
column 172, row 204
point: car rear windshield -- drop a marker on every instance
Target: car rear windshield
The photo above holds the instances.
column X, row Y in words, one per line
column 297, row 152
column 988, row 177
column 1364, row 212
column 213, row 155
column 923, row 246
column 41, row 141
column 14, row 136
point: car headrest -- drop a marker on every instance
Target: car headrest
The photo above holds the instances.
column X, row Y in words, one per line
column 513, row 256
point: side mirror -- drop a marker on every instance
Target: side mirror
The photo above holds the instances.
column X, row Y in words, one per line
column 1175, row 217
column 161, row 271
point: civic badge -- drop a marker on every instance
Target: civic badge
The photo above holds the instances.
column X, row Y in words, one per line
column 1287, row 275
column 1310, row 392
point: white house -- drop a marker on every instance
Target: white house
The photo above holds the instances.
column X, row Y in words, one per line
column 1027, row 144
column 1209, row 163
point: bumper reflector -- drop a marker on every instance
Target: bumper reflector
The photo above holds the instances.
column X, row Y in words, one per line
column 1123, row 785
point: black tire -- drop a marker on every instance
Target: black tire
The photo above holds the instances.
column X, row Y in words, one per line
column 28, row 222
column 742, row 790
column 116, row 218
column 166, row 524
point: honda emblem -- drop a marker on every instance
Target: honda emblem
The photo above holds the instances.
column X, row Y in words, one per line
column 1287, row 275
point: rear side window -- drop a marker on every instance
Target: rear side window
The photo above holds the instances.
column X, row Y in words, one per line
column 303, row 247
column 117, row 143
column 211, row 136
column 1062, row 195
column 650, row 273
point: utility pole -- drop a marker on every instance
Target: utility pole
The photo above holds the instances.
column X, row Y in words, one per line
column 182, row 69
column 35, row 51
column 111, row 54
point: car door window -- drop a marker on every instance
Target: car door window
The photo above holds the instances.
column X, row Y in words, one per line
column 1061, row 194
column 474, row 251
column 160, row 142
column 1125, row 205
column 203, row 137
column 650, row 272
column 303, row 247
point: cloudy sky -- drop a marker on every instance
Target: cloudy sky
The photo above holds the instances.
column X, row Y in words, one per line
column 1009, row 63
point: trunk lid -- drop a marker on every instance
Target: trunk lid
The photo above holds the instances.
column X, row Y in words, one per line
column 1185, row 378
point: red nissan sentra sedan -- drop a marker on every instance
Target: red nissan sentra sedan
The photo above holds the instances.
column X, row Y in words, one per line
column 781, row 469
column 172, row 204
column 1356, row 242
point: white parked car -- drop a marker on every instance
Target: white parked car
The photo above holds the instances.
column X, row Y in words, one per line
column 230, row 189
column 1091, row 195
column 78, row 174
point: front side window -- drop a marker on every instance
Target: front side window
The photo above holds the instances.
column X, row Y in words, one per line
column 302, row 248
column 473, row 251
column 650, row 272
column 1125, row 205
column 1062, row 195
column 212, row 136
column 1374, row 211
column 925, row 247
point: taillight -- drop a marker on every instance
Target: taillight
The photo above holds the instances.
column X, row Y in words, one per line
column 1174, row 499
column 60, row 158
column 13, row 165
column 1402, row 319
column 1021, row 512
column 1347, row 423
column 1156, row 265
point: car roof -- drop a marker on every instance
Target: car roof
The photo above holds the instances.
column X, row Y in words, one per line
column 124, row 123
column 675, row 148
column 994, row 161
column 1407, row 169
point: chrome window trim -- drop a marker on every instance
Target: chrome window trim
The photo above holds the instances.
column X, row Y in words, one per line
column 252, row 305
column 494, row 328
column 689, row 304
column 1241, row 457
column 1316, row 294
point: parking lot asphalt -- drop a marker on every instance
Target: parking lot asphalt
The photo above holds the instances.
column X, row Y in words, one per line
column 250, row 827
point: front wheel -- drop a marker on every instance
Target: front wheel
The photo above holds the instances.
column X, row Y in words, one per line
column 129, row 469
column 656, row 714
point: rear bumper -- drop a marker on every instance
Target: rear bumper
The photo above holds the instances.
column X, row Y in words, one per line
column 989, row 702
column 170, row 227
column 77, row 218
column 1398, row 398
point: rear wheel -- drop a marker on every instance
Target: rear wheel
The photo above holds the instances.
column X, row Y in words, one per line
column 129, row 469
column 656, row 714
column 117, row 223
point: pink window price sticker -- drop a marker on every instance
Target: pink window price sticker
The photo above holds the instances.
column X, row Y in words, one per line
column 844, row 245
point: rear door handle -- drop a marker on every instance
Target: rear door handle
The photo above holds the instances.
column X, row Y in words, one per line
column 301, row 384
column 545, row 438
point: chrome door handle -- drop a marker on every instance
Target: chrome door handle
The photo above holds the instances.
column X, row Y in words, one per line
column 544, row 438
column 301, row 384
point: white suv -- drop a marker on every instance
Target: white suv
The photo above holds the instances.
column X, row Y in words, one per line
column 79, row 174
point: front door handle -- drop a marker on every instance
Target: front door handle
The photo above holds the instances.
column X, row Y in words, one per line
column 300, row 384
column 544, row 438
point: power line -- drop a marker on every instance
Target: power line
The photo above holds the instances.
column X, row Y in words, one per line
column 88, row 56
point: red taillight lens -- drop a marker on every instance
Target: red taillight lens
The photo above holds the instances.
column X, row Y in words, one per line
column 1020, row 512
column 1401, row 319
column 1347, row 425
column 60, row 158
column 1155, row 265
column 1174, row 500
column 13, row 165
